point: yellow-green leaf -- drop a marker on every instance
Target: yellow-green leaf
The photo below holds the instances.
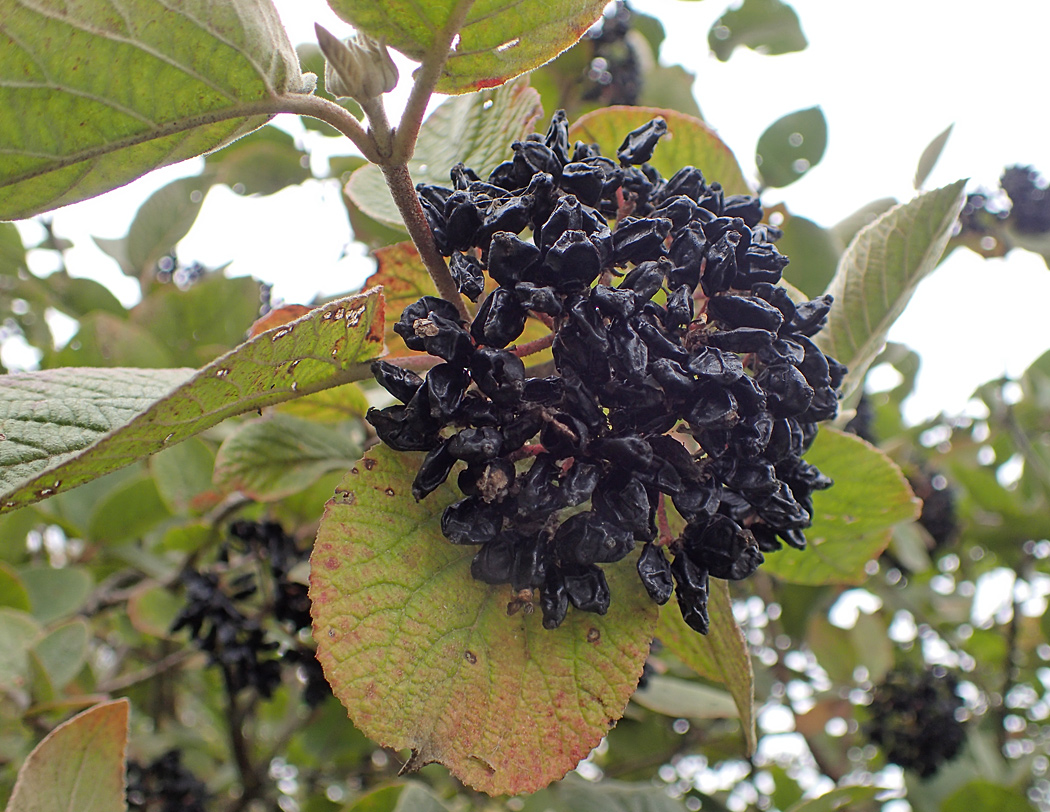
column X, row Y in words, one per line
column 129, row 91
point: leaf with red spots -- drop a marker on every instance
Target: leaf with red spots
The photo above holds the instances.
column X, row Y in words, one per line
column 689, row 142
column 424, row 657
column 494, row 41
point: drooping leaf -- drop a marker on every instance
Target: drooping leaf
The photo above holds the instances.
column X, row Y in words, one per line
column 13, row 593
column 842, row 798
column 56, row 592
column 476, row 129
column 427, row 658
column 79, row 765
column 852, row 520
column 879, row 272
column 721, row 655
column 276, row 456
column 766, row 26
column 66, row 427
column 12, row 252
column 262, row 163
column 497, row 40
column 615, row 796
column 130, row 92
column 128, row 512
column 928, row 159
column 183, row 474
column 162, row 220
column 689, row 142
column 63, row 651
column 689, row 700
column 402, row 797
column 814, row 253
column 791, row 146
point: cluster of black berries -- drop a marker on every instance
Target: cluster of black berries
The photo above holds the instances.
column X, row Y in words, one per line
column 614, row 73
column 1029, row 198
column 237, row 642
column 1022, row 204
column 164, row 785
column 913, row 719
column 671, row 321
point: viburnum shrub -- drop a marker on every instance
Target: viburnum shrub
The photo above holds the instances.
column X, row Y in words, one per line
column 459, row 500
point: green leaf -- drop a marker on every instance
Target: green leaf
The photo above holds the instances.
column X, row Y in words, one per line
column 18, row 630
column 152, row 609
column 13, row 593
column 427, row 658
column 767, row 26
column 498, row 40
column 843, row 798
column 614, row 796
column 129, row 92
column 929, row 157
column 689, row 700
column 201, row 323
column 846, row 229
column 183, row 473
column 721, row 655
column 852, row 520
column 63, row 428
column 407, row 797
column 814, row 253
column 791, row 146
column 64, row 651
column 79, row 765
column 276, row 456
column 105, row 340
column 986, row 795
column 162, row 220
column 476, row 129
column 261, row 163
column 12, row 252
column 330, row 406
column 689, row 142
column 56, row 592
column 879, row 272
column 669, row 87
column 128, row 513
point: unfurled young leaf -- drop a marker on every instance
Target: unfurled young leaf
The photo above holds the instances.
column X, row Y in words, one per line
column 130, row 92
column 494, row 41
column 65, row 427
column 427, row 658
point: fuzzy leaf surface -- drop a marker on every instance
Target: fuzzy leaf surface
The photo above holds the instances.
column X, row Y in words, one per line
column 105, row 95
column 425, row 657
column 498, row 39
column 721, row 655
column 461, row 129
column 689, row 142
column 79, row 765
column 853, row 520
column 61, row 428
column 879, row 272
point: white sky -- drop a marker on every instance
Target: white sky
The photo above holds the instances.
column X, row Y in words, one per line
column 889, row 77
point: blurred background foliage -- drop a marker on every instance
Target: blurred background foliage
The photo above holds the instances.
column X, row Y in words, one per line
column 179, row 583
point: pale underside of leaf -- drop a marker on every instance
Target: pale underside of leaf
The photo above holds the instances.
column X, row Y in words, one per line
column 878, row 274
column 133, row 87
column 64, row 427
column 78, row 766
column 498, row 39
column 426, row 658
